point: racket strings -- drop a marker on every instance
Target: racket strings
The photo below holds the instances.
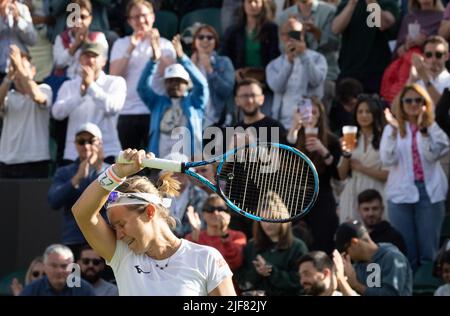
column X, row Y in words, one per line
column 271, row 183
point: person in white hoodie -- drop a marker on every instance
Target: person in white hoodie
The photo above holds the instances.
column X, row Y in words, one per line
column 416, row 188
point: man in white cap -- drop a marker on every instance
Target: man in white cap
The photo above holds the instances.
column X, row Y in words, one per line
column 93, row 97
column 179, row 113
column 71, row 180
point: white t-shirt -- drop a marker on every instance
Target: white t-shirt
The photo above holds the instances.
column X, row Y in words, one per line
column 138, row 60
column 25, row 133
column 193, row 270
column 441, row 82
column 173, row 132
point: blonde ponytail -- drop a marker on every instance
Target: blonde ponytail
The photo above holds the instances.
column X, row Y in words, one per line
column 167, row 185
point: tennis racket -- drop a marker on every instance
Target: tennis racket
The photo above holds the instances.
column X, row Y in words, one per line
column 265, row 182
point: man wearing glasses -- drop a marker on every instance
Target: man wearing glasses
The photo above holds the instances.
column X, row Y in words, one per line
column 92, row 267
column 429, row 71
column 71, row 180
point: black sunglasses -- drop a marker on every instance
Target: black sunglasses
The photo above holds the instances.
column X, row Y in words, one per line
column 208, row 37
column 83, row 142
column 36, row 274
column 438, row 55
column 211, row 209
column 95, row 262
column 418, row 101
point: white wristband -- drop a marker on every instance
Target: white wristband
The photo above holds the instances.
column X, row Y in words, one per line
column 109, row 180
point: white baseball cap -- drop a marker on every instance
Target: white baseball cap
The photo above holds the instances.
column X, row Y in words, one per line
column 176, row 71
column 90, row 128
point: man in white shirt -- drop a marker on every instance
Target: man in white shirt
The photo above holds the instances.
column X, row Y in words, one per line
column 93, row 97
column 129, row 55
column 296, row 74
column 429, row 71
column 24, row 149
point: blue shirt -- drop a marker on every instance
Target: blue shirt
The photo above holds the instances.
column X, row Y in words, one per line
column 42, row 287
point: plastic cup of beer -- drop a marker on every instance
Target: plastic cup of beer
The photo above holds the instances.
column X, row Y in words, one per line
column 349, row 133
column 311, row 132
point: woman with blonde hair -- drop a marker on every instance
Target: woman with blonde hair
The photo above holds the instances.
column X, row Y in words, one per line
column 138, row 242
column 411, row 147
column 34, row 272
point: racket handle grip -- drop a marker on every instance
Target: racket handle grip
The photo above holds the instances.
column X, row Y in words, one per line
column 155, row 163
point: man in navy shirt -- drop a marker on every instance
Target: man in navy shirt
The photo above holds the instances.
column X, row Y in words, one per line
column 71, row 180
column 56, row 260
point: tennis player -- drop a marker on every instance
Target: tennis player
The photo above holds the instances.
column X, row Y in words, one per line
column 139, row 245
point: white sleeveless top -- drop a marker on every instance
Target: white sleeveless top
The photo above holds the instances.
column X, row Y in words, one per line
column 193, row 270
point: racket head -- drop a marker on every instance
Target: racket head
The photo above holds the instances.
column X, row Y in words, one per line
column 268, row 182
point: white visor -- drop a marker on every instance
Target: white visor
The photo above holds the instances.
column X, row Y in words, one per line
column 118, row 198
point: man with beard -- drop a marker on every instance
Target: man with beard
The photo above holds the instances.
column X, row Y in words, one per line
column 92, row 266
column 429, row 71
column 371, row 208
column 250, row 98
column 318, row 276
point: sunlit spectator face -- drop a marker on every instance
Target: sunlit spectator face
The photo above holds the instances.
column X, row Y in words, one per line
column 214, row 211
column 371, row 212
column 85, row 143
column 363, row 115
column 83, row 21
column 272, row 230
column 253, row 7
column 249, row 98
column 56, row 269
column 292, row 24
column 205, row 41
column 311, row 279
column 446, row 272
column 94, row 61
column 435, row 57
column 37, row 271
column 412, row 103
column 91, row 265
column 141, row 18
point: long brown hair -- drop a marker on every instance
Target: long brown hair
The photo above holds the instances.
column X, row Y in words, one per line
column 264, row 17
column 167, row 186
column 400, row 114
column 324, row 136
column 263, row 242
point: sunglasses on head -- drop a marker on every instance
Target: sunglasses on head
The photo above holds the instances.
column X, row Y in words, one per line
column 95, row 262
column 418, row 101
column 208, row 37
column 212, row 209
column 438, row 55
column 83, row 142
column 36, row 274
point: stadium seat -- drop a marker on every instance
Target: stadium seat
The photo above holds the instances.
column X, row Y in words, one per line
column 167, row 23
column 424, row 282
column 203, row 16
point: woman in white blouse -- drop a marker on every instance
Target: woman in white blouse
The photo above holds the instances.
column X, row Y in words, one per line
column 362, row 167
column 416, row 189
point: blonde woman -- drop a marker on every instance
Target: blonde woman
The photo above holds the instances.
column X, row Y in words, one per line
column 416, row 188
column 138, row 242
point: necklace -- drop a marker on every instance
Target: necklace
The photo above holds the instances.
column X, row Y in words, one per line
column 163, row 266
